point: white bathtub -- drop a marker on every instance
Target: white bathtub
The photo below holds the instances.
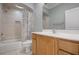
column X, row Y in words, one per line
column 13, row 47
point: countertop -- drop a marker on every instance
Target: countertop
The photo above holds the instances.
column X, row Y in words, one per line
column 68, row 36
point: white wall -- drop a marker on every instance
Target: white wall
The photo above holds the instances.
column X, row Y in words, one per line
column 38, row 17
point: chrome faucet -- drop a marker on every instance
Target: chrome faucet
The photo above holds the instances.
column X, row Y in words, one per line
column 2, row 36
column 53, row 29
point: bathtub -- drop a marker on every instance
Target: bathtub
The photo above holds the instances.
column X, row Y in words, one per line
column 13, row 47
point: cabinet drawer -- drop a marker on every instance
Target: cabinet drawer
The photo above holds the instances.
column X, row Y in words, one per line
column 63, row 53
column 68, row 46
column 45, row 39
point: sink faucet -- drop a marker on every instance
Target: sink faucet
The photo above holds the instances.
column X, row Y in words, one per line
column 53, row 29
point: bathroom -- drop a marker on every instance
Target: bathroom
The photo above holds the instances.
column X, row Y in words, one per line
column 20, row 22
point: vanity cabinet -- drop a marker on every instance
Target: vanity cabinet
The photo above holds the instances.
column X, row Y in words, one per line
column 45, row 45
column 69, row 47
column 50, row 45
column 34, row 44
column 60, row 52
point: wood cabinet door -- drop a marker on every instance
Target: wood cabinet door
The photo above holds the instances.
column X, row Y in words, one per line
column 45, row 45
column 33, row 46
column 68, row 46
column 63, row 53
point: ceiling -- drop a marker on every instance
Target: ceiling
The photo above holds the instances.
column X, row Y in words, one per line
column 51, row 5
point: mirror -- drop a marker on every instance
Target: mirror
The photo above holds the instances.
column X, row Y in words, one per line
column 54, row 16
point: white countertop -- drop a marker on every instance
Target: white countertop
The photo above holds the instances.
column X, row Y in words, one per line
column 68, row 36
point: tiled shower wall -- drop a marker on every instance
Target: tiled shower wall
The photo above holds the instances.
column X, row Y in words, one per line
column 0, row 20
column 8, row 23
column 9, row 18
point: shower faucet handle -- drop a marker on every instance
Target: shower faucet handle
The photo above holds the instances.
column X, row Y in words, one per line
column 2, row 34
